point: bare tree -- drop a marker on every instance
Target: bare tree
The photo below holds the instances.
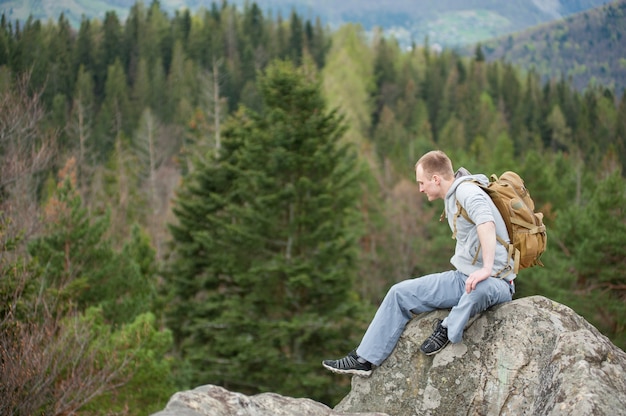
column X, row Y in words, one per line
column 53, row 359
column 159, row 179
column 79, row 128
column 213, row 106
column 26, row 152
column 55, row 368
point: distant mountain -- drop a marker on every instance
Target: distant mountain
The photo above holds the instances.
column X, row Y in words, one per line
column 444, row 22
column 589, row 47
column 581, row 39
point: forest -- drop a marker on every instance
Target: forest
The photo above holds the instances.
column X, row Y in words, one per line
column 554, row 49
column 224, row 198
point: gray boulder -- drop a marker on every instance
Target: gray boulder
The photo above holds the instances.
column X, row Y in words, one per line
column 216, row 401
column 531, row 356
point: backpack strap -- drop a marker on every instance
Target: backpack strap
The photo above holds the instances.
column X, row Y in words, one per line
column 532, row 228
column 512, row 251
column 460, row 211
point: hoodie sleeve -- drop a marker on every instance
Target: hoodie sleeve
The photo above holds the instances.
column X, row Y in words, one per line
column 475, row 201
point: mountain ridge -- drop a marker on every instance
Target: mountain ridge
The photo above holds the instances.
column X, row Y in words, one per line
column 443, row 22
column 544, row 35
column 561, row 48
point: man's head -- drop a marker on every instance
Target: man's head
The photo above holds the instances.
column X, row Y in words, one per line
column 434, row 174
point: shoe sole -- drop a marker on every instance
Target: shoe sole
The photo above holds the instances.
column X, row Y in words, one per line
column 360, row 373
column 436, row 351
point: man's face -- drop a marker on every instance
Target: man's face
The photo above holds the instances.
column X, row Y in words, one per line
column 429, row 184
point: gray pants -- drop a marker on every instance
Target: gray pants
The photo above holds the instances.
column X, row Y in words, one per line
column 424, row 294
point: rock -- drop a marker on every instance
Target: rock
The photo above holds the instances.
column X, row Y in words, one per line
column 216, row 401
column 531, row 356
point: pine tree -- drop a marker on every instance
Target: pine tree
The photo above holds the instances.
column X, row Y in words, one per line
column 75, row 256
column 265, row 247
column 296, row 38
column 5, row 41
column 84, row 52
column 114, row 118
column 141, row 87
column 88, row 340
column 58, row 47
column 595, row 234
column 179, row 86
column 109, row 49
column 134, row 28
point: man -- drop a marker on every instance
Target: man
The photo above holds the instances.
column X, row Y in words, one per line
column 482, row 278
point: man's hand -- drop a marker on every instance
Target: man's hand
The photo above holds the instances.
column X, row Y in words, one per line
column 487, row 237
column 475, row 278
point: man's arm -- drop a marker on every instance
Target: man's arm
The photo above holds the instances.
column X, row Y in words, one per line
column 487, row 237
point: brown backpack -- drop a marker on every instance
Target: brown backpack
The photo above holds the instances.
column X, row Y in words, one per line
column 525, row 226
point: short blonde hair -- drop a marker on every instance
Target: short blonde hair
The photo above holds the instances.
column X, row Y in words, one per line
column 436, row 162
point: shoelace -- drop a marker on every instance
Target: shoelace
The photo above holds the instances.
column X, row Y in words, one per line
column 440, row 335
column 347, row 362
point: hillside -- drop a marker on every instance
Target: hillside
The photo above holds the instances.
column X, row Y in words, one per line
column 563, row 48
column 444, row 22
column 555, row 37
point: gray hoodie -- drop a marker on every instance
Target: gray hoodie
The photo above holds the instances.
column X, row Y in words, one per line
column 480, row 208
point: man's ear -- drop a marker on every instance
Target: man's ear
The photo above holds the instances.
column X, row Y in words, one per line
column 437, row 179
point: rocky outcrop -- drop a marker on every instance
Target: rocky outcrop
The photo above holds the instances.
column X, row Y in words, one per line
column 531, row 356
column 217, row 401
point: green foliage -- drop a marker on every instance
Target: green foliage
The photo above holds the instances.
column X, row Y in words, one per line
column 274, row 237
column 16, row 290
column 72, row 253
column 558, row 47
column 599, row 239
column 113, row 120
column 139, row 351
column 265, row 246
column 58, row 360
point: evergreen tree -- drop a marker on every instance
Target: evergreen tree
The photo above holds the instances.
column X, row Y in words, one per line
column 385, row 92
column 90, row 338
column 60, row 76
column 5, row 38
column 141, row 87
column 265, row 247
column 109, row 49
column 158, row 38
column 134, row 30
column 319, row 43
column 296, row 38
column 138, row 351
column 114, row 118
column 28, row 49
column 179, row 86
column 158, row 91
column 254, row 26
column 511, row 96
column 84, row 47
column 560, row 133
column 479, row 56
column 77, row 259
column 595, row 234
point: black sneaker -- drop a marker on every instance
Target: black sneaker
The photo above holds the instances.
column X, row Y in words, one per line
column 349, row 365
column 437, row 340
